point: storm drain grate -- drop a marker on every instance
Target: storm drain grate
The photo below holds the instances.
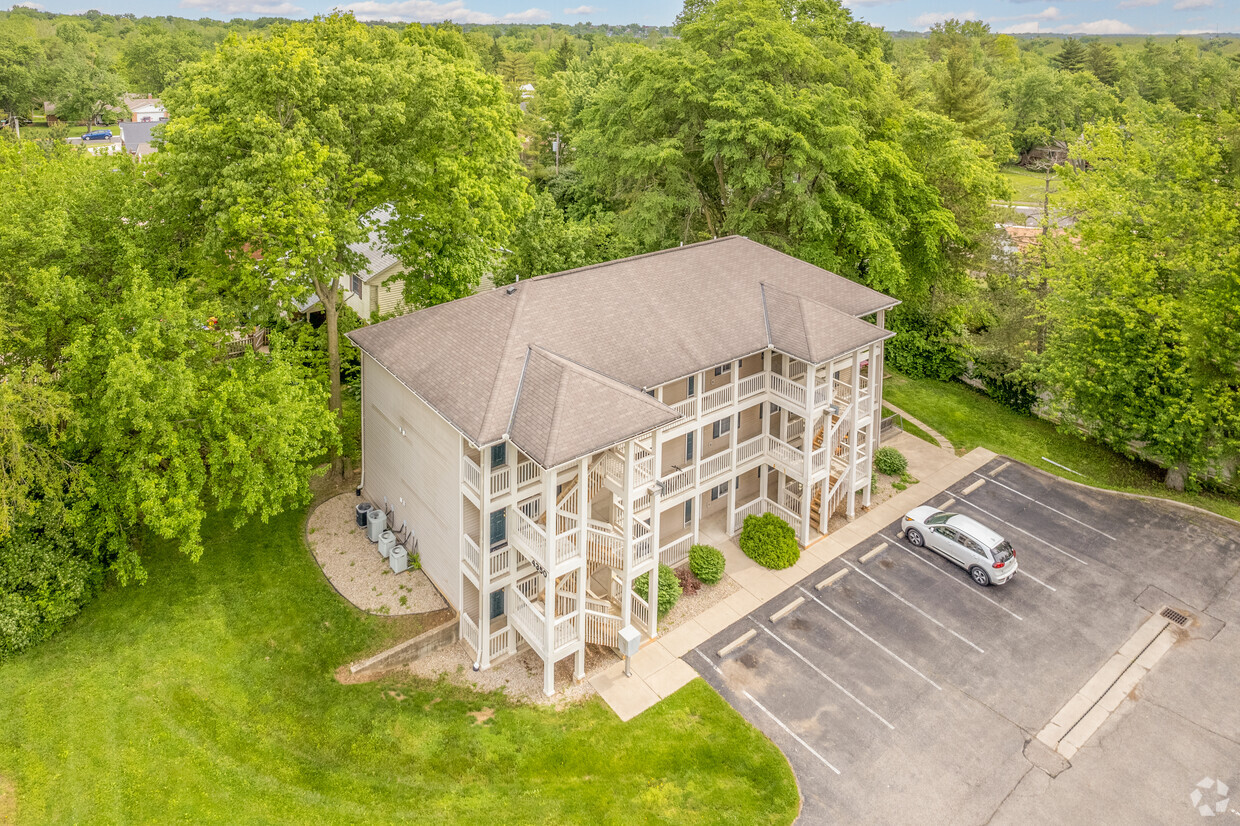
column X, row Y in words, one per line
column 1175, row 616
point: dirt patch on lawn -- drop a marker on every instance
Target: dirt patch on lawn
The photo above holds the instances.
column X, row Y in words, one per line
column 8, row 801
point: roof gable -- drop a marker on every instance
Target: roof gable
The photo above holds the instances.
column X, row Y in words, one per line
column 813, row 331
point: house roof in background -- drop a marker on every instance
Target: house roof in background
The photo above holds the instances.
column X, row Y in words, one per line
column 136, row 135
column 373, row 249
column 640, row 321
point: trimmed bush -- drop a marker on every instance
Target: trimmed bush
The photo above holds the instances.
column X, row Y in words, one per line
column 669, row 588
column 707, row 563
column 890, row 461
column 769, row 541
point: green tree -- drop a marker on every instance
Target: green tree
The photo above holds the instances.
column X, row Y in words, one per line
column 21, row 69
column 85, row 90
column 155, row 58
column 1101, row 60
column 962, row 91
column 545, row 241
column 120, row 415
column 764, row 120
column 1144, row 303
column 280, row 145
column 1072, row 56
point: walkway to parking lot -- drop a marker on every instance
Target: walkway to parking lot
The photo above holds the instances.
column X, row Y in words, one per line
column 658, row 669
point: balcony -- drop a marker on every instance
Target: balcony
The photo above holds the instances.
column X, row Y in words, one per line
column 529, row 538
column 526, row 616
column 715, row 465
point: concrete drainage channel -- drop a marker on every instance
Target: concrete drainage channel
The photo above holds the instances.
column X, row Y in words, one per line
column 1090, row 707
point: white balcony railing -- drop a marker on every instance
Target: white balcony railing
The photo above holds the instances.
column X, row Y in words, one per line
column 603, row 627
column 749, row 449
column 499, row 641
column 687, row 408
column 566, row 634
column 788, row 390
column 639, row 612
column 471, row 554
column 821, row 393
column 843, row 393
column 566, row 548
column 527, row 536
column 783, row 452
column 796, row 429
column 471, row 473
column 717, row 399
column 643, row 544
column 527, row 473
column 677, row 481
column 755, row 508
column 715, row 465
column 791, row 502
column 501, row 563
column 501, row 480
column 469, row 633
column 527, row 619
column 676, row 551
column 750, row 385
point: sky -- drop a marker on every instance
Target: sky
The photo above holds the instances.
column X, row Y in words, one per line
column 1017, row 16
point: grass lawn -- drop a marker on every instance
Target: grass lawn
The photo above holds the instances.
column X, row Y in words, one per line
column 1027, row 186
column 207, row 696
column 969, row 419
column 912, row 429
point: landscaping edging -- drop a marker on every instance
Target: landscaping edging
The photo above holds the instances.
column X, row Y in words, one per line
column 438, row 637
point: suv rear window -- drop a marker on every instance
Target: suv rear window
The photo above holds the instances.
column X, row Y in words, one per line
column 939, row 518
column 1002, row 552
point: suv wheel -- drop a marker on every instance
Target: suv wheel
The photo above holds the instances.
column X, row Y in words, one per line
column 979, row 575
column 915, row 537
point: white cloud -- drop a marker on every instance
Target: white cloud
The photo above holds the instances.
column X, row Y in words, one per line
column 28, row 5
column 1137, row 4
column 428, row 11
column 852, row 4
column 925, row 21
column 1193, row 4
column 1197, row 31
column 1092, row 27
column 583, row 10
column 266, row 8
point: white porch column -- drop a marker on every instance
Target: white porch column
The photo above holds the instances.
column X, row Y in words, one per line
column 873, row 425
column 551, row 512
column 807, row 450
column 852, row 439
column 583, row 513
column 626, row 603
column 484, row 575
column 652, row 593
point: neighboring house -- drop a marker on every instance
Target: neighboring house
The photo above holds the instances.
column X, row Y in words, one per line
column 137, row 136
column 378, row 288
column 550, row 441
column 145, row 109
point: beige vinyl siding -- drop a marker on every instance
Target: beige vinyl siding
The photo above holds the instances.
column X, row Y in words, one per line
column 418, row 471
column 390, row 292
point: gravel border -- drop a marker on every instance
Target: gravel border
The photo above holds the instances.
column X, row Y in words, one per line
column 354, row 568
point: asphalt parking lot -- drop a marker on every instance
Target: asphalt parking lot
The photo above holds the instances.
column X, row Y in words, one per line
column 903, row 692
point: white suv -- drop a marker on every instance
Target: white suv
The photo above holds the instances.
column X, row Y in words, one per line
column 986, row 555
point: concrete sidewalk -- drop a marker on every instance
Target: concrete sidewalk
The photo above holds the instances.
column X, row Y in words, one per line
column 658, row 669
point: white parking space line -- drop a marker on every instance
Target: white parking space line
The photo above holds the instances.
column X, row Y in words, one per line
column 888, row 651
column 780, row 723
column 915, row 608
column 708, row 662
column 1025, row 532
column 821, row 673
column 1052, row 510
column 1025, row 573
column 972, row 589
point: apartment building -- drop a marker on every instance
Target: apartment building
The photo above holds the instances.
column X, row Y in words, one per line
column 551, row 441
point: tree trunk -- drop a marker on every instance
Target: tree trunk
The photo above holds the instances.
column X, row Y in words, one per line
column 327, row 297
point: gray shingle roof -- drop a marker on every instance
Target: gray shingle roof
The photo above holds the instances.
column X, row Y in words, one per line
column 639, row 322
column 377, row 257
column 564, row 411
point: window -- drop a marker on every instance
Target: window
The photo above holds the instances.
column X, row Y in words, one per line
column 692, row 388
column 939, row 518
column 499, row 455
column 688, row 511
column 499, row 527
column 723, row 369
column 721, row 428
column 356, row 284
column 718, row 491
column 497, row 603
column 689, row 446
column 774, row 408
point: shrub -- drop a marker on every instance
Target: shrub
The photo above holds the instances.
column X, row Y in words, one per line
column 43, row 584
column 769, row 541
column 707, row 563
column 669, row 588
column 890, row 461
